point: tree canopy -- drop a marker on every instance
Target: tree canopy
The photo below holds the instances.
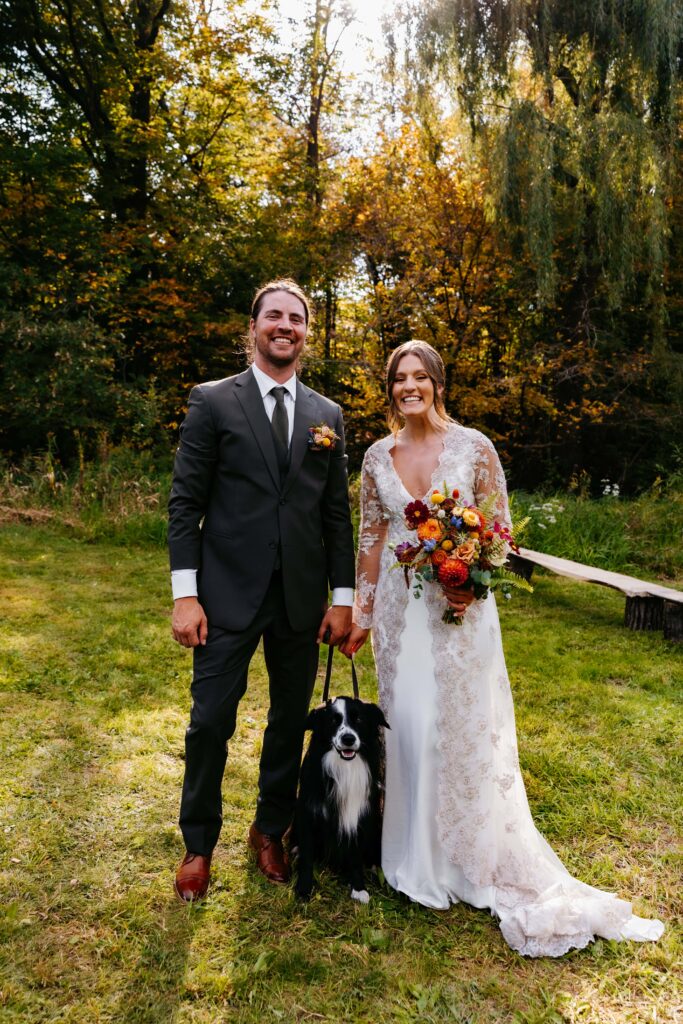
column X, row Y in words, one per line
column 505, row 185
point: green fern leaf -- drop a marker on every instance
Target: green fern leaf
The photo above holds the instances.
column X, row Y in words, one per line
column 488, row 508
column 512, row 579
column 519, row 527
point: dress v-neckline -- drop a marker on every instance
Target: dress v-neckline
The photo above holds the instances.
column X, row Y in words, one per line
column 434, row 471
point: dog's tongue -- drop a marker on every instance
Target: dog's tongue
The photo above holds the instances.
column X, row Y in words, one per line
column 348, row 755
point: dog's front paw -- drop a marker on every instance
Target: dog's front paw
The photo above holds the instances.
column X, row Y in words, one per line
column 303, row 892
column 362, row 895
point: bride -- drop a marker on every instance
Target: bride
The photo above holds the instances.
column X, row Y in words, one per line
column 457, row 824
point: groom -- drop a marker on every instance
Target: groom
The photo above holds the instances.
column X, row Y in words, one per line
column 259, row 527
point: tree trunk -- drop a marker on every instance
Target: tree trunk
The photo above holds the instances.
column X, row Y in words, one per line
column 644, row 613
column 673, row 621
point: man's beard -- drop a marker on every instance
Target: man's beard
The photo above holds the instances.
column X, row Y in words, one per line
column 286, row 358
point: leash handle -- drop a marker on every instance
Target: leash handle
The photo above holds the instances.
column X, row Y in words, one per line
column 328, row 676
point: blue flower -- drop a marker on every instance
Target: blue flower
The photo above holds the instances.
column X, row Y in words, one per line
column 429, row 545
column 456, row 521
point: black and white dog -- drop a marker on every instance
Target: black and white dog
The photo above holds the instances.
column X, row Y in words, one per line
column 337, row 819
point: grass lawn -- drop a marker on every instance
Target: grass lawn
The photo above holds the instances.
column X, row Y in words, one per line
column 94, row 706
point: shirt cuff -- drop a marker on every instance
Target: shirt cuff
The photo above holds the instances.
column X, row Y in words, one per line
column 184, row 583
column 343, row 596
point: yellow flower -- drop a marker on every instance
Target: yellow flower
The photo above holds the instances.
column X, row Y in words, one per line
column 326, row 442
column 438, row 497
column 447, row 545
column 470, row 518
column 457, row 511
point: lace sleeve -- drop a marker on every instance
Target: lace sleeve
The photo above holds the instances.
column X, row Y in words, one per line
column 371, row 540
column 489, row 478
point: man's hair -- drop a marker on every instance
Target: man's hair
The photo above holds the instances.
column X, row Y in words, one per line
column 285, row 284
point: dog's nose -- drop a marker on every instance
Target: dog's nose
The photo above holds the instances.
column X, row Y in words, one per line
column 348, row 739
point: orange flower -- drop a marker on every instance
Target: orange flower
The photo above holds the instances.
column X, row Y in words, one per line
column 429, row 530
column 467, row 552
column 438, row 557
column 453, row 572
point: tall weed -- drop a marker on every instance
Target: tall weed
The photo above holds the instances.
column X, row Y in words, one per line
column 122, row 498
column 638, row 536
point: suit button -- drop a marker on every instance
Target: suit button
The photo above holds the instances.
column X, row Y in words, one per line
column 283, row 501
column 272, row 543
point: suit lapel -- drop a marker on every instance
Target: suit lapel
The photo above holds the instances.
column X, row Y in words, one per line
column 305, row 412
column 249, row 396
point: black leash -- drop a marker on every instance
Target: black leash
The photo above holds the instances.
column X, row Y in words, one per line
column 328, row 676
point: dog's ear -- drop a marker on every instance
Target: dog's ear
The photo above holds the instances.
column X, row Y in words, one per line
column 377, row 716
column 315, row 716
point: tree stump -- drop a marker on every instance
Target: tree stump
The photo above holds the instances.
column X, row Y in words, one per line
column 522, row 566
column 644, row 613
column 673, row 621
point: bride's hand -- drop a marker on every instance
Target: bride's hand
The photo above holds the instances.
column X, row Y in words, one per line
column 459, row 598
column 354, row 641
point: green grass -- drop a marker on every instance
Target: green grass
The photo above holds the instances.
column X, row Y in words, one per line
column 637, row 536
column 94, row 704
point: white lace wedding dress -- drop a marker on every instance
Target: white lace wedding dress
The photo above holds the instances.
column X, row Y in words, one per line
column 457, row 824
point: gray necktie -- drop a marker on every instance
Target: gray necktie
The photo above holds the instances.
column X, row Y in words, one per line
column 280, row 425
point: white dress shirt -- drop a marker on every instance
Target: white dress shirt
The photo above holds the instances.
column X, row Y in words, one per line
column 184, row 581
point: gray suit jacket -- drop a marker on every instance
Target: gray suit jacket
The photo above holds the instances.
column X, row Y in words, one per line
column 230, row 514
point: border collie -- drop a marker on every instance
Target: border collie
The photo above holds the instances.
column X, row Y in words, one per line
column 337, row 820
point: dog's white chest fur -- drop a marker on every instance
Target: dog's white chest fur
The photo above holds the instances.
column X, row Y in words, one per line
column 351, row 789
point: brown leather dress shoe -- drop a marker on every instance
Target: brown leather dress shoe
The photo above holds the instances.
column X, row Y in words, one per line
column 192, row 877
column 271, row 859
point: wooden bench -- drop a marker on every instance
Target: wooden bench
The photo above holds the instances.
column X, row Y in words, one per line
column 648, row 605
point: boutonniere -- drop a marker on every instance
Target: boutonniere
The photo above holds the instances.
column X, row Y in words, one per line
column 322, row 438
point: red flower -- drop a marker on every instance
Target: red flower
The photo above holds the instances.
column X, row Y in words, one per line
column 405, row 552
column 416, row 512
column 453, row 572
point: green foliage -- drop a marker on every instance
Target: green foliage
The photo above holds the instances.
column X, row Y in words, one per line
column 639, row 537
column 585, row 113
column 488, row 508
column 504, row 578
column 158, row 163
column 58, row 384
column 120, row 498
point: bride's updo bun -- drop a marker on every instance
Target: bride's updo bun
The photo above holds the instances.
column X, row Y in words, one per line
column 433, row 364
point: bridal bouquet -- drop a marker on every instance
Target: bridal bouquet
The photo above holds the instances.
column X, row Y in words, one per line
column 458, row 545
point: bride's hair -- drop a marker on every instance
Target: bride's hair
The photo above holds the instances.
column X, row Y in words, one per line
column 433, row 364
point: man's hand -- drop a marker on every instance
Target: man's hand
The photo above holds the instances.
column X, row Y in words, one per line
column 354, row 641
column 459, row 598
column 189, row 625
column 337, row 620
